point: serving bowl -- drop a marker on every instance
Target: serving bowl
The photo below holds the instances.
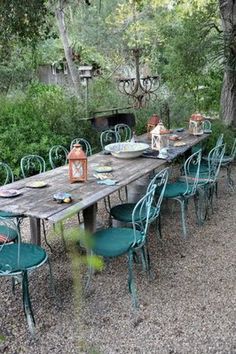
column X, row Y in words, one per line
column 126, row 150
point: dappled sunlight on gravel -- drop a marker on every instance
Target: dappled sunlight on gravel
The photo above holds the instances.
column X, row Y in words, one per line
column 189, row 305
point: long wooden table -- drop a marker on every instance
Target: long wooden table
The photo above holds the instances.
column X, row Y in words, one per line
column 39, row 204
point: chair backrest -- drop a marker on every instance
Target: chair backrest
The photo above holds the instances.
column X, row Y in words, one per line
column 215, row 157
column 206, row 125
column 124, row 131
column 160, row 180
column 233, row 150
column 31, row 165
column 58, row 156
column 108, row 137
column 220, row 140
column 142, row 216
column 9, row 226
column 6, row 174
column 192, row 178
column 84, row 143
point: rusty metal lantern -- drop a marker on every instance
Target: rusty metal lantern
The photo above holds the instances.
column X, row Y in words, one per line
column 77, row 164
column 152, row 123
column 196, row 124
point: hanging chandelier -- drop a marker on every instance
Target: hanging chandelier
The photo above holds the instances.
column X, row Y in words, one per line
column 139, row 89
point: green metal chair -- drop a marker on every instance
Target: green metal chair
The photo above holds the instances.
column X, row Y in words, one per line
column 184, row 189
column 6, row 176
column 227, row 162
column 84, row 143
column 123, row 212
column 19, row 259
column 108, row 137
column 124, row 131
column 114, row 242
column 31, row 165
column 207, row 181
column 58, row 156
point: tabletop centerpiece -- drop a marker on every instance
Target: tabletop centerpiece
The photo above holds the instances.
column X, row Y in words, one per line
column 77, row 164
column 160, row 137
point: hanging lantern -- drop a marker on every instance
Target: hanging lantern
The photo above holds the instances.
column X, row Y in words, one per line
column 152, row 123
column 196, row 124
column 160, row 137
column 77, row 164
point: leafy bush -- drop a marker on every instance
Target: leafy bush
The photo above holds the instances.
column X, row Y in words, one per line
column 33, row 122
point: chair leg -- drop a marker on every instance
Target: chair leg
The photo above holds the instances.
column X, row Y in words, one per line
column 27, row 303
column 131, row 283
column 230, row 181
column 183, row 209
column 45, row 236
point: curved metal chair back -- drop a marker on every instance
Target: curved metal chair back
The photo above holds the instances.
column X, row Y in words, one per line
column 84, row 143
column 6, row 174
column 206, row 125
column 191, row 179
column 108, row 137
column 31, row 165
column 58, row 156
column 215, row 157
column 142, row 216
column 233, row 150
column 160, row 180
column 220, row 140
column 124, row 131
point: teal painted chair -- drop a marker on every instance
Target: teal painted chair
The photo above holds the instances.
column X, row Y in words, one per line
column 184, row 189
column 84, row 143
column 124, row 131
column 208, row 180
column 19, row 259
column 123, row 212
column 58, row 156
column 109, row 137
column 115, row 242
column 31, row 165
column 227, row 161
column 6, row 176
column 88, row 151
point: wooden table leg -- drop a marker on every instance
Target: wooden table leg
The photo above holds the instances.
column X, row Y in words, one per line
column 90, row 214
column 35, row 230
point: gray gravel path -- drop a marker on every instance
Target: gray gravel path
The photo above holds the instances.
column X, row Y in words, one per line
column 189, row 306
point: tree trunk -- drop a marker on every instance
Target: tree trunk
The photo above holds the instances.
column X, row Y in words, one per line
column 228, row 93
column 59, row 12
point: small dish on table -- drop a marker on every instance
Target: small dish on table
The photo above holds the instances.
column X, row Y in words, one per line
column 9, row 193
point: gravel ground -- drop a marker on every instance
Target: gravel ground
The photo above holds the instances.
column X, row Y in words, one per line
column 188, row 306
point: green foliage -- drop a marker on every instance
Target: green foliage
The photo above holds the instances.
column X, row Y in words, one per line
column 219, row 128
column 31, row 123
column 23, row 19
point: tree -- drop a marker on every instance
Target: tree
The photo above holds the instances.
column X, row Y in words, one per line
column 228, row 94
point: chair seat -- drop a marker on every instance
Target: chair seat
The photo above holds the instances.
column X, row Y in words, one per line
column 7, row 235
column 123, row 212
column 113, row 242
column 31, row 256
column 176, row 189
column 8, row 214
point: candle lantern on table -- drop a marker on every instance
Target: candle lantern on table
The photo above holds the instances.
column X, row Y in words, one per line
column 152, row 123
column 77, row 164
column 196, row 124
column 160, row 137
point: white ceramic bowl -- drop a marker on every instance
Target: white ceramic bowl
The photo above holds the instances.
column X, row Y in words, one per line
column 126, row 150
